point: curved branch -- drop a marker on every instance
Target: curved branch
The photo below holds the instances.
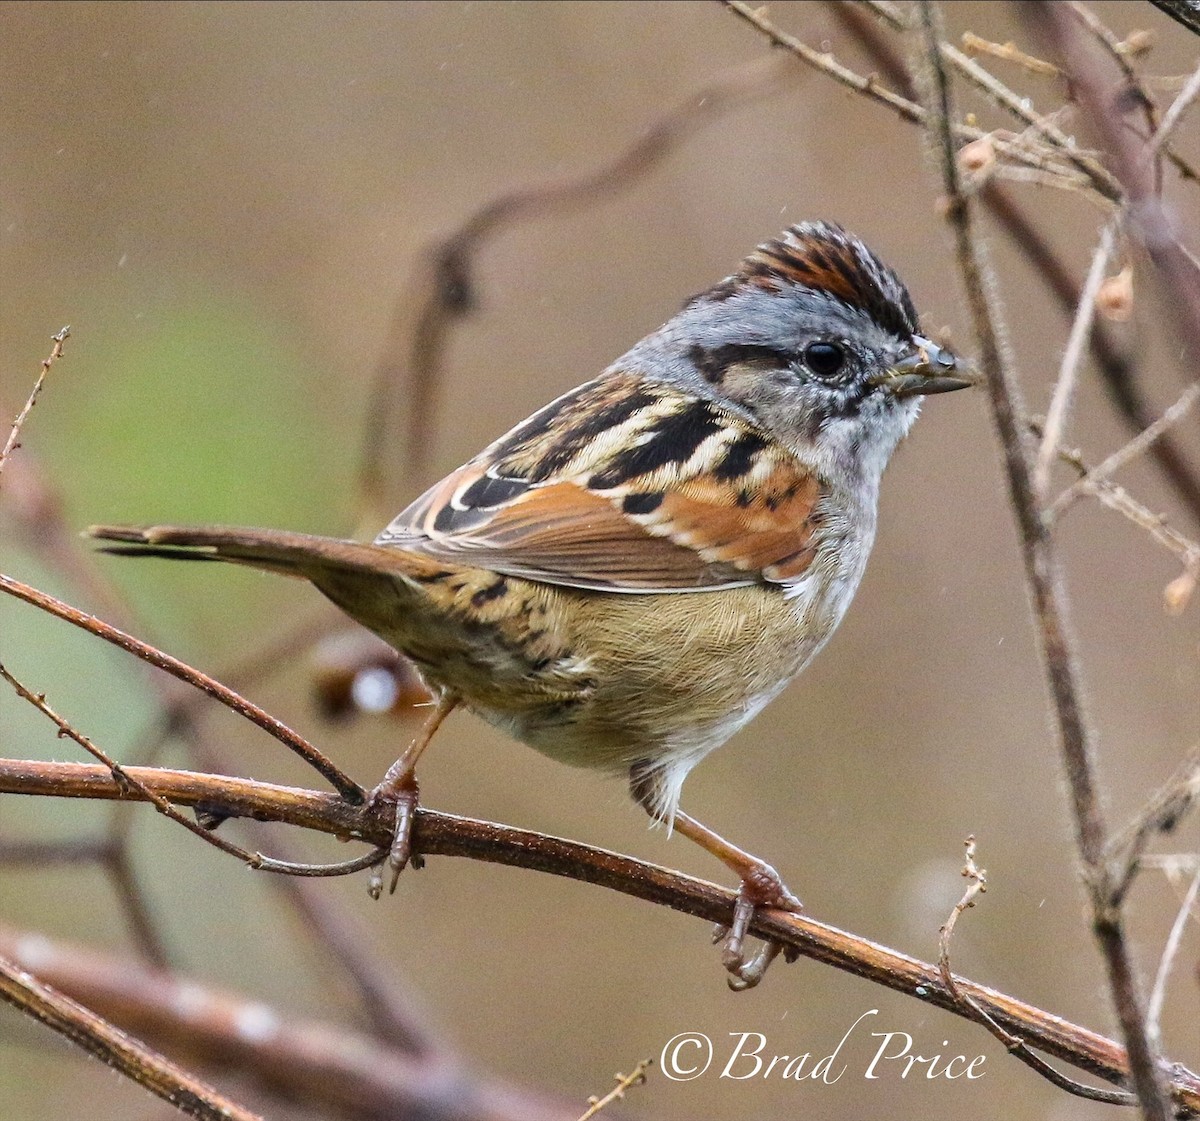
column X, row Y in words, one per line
column 441, row 834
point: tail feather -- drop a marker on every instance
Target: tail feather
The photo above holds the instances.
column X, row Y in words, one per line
column 293, row 554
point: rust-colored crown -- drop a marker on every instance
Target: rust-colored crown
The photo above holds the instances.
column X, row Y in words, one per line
column 824, row 257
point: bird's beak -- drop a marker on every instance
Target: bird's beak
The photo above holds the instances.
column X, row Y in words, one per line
column 927, row 368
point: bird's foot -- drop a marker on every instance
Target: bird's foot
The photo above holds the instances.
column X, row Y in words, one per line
column 761, row 887
column 402, row 793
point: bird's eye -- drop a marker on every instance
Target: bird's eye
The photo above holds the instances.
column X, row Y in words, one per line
column 824, row 359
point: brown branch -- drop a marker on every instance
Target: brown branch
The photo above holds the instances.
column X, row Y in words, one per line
column 66, row 729
column 322, row 764
column 1049, row 605
column 1184, row 12
column 442, row 291
column 439, row 834
column 391, row 1008
column 332, row 1066
column 116, row 1049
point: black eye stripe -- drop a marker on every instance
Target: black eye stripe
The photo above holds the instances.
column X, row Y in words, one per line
column 714, row 362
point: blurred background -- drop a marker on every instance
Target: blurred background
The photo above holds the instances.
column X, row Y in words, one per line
column 225, row 201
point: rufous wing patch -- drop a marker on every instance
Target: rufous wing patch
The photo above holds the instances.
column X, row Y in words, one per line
column 628, row 486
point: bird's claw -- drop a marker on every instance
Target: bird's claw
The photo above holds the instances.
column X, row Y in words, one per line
column 761, row 887
column 404, row 797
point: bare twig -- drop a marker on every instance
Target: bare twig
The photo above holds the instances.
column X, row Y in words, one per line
column 1134, row 86
column 11, row 445
column 1064, row 388
column 1174, row 113
column 1127, row 453
column 1008, row 52
column 449, row 835
column 1116, row 498
column 1019, row 107
column 112, row 1046
column 1163, row 811
column 1015, row 1045
column 38, row 701
column 1158, row 991
column 1042, row 157
column 324, row 766
column 624, row 1082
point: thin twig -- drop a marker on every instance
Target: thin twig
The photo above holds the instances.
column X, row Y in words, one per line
column 624, row 1082
column 1163, row 811
column 1174, row 113
column 1064, row 388
column 1120, row 54
column 1043, row 157
column 38, row 701
column 341, row 782
column 11, row 445
column 449, row 835
column 1127, row 453
column 1158, row 991
column 1020, row 107
column 116, row 1049
column 1120, row 500
column 1014, row 1044
column 1008, row 52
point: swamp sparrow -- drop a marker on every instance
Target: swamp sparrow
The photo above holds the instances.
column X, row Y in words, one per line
column 627, row 577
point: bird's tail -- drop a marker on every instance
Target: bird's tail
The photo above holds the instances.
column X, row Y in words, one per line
column 293, row 554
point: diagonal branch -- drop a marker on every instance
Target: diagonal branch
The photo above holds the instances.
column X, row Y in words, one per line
column 322, row 764
column 14, row 434
column 116, row 1049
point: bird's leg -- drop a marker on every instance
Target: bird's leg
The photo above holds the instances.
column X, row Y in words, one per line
column 399, row 787
column 761, row 885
